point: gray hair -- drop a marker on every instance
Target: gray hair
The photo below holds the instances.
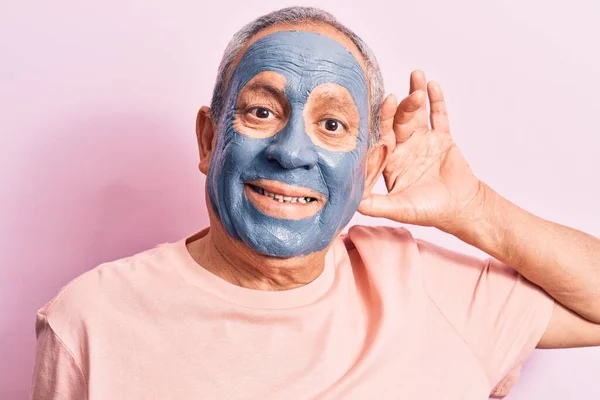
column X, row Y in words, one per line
column 294, row 15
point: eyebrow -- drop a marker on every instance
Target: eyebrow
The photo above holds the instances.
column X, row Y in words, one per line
column 335, row 98
column 275, row 92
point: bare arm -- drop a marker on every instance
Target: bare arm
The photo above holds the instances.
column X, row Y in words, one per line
column 563, row 261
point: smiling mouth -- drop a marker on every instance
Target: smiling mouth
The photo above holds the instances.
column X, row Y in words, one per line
column 284, row 201
column 280, row 197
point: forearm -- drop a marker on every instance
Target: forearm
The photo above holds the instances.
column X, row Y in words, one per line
column 563, row 261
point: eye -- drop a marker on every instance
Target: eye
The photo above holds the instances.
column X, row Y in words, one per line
column 260, row 112
column 332, row 125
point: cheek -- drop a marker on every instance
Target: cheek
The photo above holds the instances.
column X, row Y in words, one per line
column 238, row 151
column 343, row 172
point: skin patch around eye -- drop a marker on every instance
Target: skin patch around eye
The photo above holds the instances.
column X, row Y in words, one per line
column 332, row 102
column 266, row 93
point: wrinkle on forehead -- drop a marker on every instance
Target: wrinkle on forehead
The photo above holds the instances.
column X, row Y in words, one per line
column 302, row 51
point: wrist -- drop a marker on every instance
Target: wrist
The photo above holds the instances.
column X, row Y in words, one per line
column 483, row 221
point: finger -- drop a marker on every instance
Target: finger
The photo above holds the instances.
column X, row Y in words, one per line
column 417, row 81
column 388, row 110
column 438, row 114
column 376, row 205
column 410, row 116
column 385, row 206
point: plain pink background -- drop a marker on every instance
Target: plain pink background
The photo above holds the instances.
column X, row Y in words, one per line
column 98, row 155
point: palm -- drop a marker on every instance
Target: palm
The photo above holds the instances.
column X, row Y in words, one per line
column 427, row 178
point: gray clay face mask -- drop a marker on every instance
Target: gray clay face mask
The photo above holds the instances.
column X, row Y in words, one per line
column 305, row 61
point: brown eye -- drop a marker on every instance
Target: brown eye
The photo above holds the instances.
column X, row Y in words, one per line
column 332, row 125
column 261, row 112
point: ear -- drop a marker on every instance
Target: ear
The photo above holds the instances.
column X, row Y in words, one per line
column 375, row 163
column 378, row 155
column 205, row 134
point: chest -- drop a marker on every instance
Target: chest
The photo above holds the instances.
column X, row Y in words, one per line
column 340, row 352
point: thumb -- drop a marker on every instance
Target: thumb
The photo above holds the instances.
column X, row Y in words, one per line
column 379, row 205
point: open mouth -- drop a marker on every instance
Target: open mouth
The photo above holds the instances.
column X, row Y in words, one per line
column 280, row 197
column 284, row 201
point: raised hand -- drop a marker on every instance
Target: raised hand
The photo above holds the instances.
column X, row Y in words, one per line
column 428, row 180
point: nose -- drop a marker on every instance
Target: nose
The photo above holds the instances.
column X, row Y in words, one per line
column 292, row 148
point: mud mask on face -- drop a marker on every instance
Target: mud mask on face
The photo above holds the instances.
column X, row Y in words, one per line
column 306, row 60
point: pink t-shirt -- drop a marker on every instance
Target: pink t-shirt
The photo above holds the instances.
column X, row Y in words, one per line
column 390, row 317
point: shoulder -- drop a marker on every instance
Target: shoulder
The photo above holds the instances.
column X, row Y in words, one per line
column 108, row 290
column 387, row 249
column 101, row 280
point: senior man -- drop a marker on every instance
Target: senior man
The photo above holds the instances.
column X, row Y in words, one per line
column 270, row 301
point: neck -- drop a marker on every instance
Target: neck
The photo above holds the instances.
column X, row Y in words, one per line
column 234, row 262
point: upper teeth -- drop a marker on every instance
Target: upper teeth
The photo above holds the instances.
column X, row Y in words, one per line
column 284, row 199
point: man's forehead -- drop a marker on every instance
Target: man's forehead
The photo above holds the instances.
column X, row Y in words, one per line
column 308, row 26
column 301, row 45
column 305, row 58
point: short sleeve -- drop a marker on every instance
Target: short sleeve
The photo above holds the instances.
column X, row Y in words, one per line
column 56, row 374
column 500, row 314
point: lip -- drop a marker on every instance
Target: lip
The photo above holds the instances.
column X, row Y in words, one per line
column 284, row 210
